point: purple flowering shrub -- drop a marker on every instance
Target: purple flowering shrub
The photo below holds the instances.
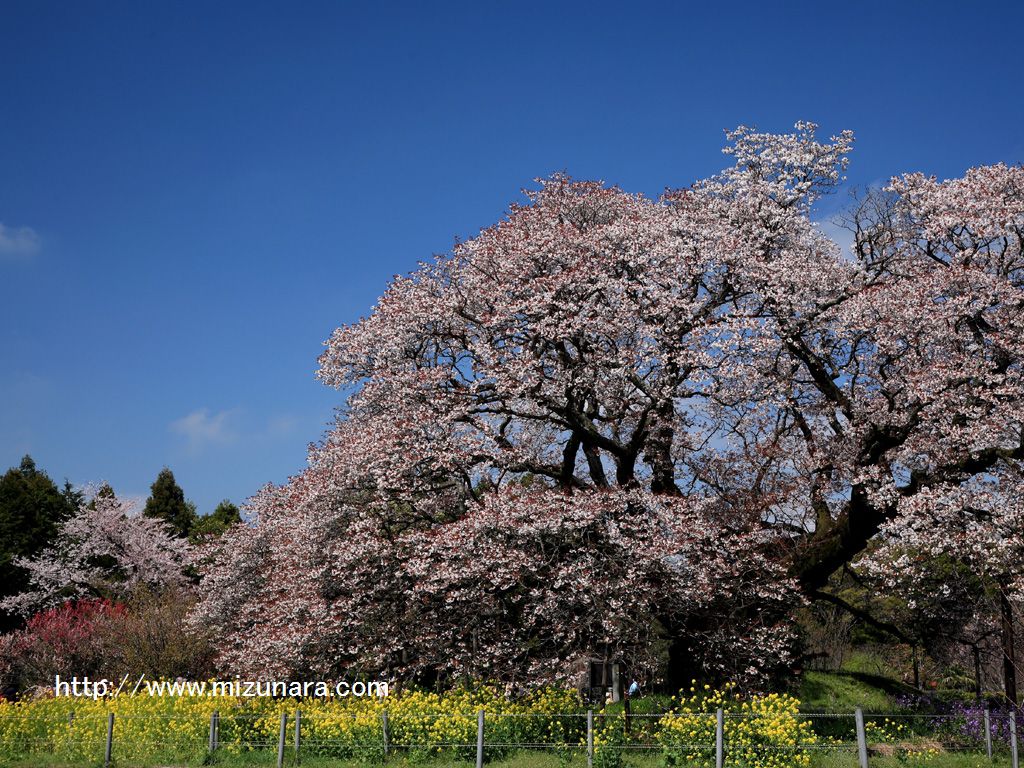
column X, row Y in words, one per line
column 960, row 723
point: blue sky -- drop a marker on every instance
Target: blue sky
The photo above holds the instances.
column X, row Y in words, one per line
column 193, row 195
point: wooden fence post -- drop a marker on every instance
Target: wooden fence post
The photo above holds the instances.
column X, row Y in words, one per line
column 480, row 739
column 862, row 739
column 384, row 730
column 590, row 738
column 280, row 740
column 110, row 740
column 719, row 738
column 1013, row 739
column 988, row 734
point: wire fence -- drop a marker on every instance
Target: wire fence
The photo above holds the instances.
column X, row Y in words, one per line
column 602, row 739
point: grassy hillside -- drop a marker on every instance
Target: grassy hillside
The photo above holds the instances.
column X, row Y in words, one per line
column 847, row 690
column 864, row 681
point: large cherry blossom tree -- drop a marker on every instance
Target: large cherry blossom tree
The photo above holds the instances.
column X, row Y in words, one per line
column 608, row 417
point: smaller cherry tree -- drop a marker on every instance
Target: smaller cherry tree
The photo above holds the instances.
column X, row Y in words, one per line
column 105, row 550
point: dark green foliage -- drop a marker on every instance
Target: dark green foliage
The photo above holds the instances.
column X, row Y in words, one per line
column 223, row 517
column 32, row 508
column 167, row 502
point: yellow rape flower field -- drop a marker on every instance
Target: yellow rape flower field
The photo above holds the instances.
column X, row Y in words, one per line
column 545, row 729
column 764, row 731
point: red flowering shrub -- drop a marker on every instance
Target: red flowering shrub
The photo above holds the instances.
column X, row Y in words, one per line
column 70, row 639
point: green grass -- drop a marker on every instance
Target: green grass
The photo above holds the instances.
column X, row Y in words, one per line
column 524, row 759
column 873, row 664
column 949, row 760
column 268, row 758
column 866, row 680
column 847, row 690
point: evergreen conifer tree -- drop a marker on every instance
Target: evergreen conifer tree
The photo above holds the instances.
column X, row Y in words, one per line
column 167, row 502
column 31, row 509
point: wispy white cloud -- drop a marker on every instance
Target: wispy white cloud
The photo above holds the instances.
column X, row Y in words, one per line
column 18, row 242
column 280, row 426
column 201, row 428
